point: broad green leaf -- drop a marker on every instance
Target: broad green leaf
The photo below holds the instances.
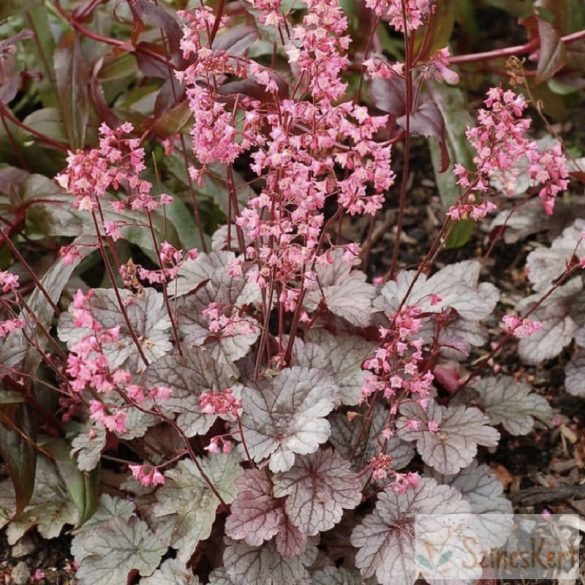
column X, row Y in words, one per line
column 18, row 454
column 49, row 122
column 51, row 507
column 14, row 7
column 82, row 486
column 452, row 105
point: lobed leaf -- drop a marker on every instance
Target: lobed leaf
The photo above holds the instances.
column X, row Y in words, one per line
column 454, row 445
column 319, row 487
column 575, row 375
column 247, row 565
column 361, row 439
column 385, row 538
column 344, row 291
column 188, row 376
column 171, row 572
column 512, row 404
column 256, row 515
column 286, row 415
column 147, row 315
column 116, row 548
column 484, row 491
column 187, row 498
column 545, row 265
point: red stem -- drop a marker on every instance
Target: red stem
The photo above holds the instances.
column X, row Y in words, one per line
column 524, row 49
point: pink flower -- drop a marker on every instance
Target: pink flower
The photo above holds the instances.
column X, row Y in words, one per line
column 147, row 475
column 438, row 68
column 520, row 328
column 391, row 10
column 219, row 403
column 10, row 325
column 8, row 281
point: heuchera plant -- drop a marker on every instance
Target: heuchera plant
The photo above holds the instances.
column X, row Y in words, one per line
column 278, row 418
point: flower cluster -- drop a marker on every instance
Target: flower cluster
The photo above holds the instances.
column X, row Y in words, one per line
column 116, row 163
column 223, row 402
column 500, row 142
column 147, row 475
column 224, row 325
column 520, row 328
column 88, row 368
column 305, row 153
column 396, row 368
column 403, row 15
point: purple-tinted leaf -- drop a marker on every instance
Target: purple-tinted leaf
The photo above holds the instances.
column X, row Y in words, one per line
column 385, row 540
column 188, row 376
column 389, row 95
column 353, row 441
column 286, row 415
column 575, row 375
column 255, row 515
column 511, row 404
column 484, row 492
column 319, row 487
column 552, row 55
column 235, row 40
column 156, row 15
column 247, row 565
column 428, row 121
column 173, row 121
column 290, row 541
column 9, row 74
column 189, row 501
column 454, row 445
column 344, row 291
column 72, row 78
